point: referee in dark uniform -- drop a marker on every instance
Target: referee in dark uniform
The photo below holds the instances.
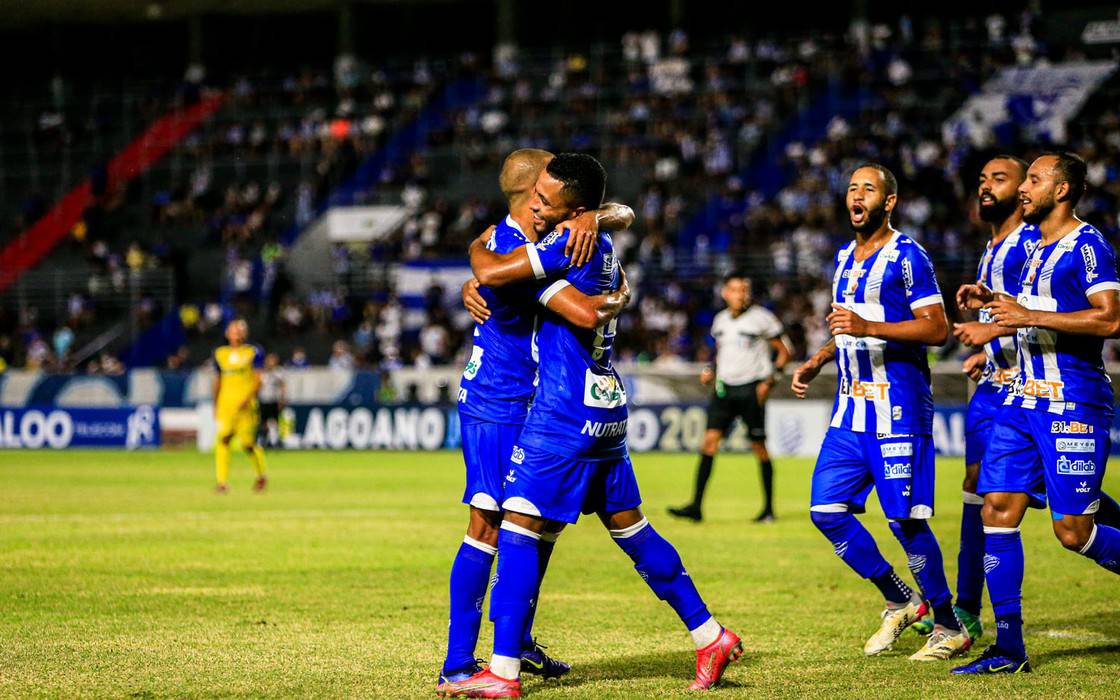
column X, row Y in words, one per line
column 746, row 335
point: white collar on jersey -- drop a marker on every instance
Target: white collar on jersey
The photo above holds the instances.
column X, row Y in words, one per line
column 513, row 224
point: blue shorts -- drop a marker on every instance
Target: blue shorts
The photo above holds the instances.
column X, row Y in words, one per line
column 900, row 467
column 557, row 488
column 982, row 409
column 486, row 450
column 1047, row 455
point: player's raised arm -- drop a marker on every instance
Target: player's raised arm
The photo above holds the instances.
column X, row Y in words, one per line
column 928, row 327
column 1102, row 319
column 583, row 230
column 539, row 260
column 810, row 368
column 583, row 311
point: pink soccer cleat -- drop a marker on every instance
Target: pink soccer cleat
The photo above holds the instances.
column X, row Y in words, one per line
column 713, row 660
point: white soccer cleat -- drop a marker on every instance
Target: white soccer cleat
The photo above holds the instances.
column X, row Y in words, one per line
column 895, row 621
column 943, row 645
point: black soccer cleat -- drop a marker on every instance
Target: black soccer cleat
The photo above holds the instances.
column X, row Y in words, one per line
column 689, row 512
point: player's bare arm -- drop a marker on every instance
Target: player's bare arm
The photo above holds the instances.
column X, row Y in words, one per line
column 584, row 229
column 781, row 359
column 810, row 368
column 975, row 334
column 1102, row 320
column 973, row 365
column 473, row 301
column 928, row 327
column 572, row 305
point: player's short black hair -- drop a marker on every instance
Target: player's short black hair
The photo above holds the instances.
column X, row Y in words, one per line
column 1072, row 169
column 1023, row 165
column 584, row 178
column 738, row 275
column 890, row 182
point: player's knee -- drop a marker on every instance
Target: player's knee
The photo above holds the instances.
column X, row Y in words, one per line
column 908, row 527
column 1072, row 534
column 830, row 524
column 1000, row 512
column 759, row 447
column 710, row 446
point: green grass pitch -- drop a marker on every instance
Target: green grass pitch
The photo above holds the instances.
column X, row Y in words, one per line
column 122, row 575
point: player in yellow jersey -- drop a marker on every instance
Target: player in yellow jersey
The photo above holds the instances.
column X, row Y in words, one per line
column 236, row 412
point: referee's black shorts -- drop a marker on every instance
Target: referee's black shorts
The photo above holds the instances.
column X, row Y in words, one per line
column 738, row 402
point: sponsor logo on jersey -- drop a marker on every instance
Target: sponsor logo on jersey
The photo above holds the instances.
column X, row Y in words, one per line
column 1039, row 388
column 518, row 455
column 1032, row 271
column 512, row 476
column 1078, row 467
column 1083, row 487
column 855, row 273
column 897, row 449
column 896, row 412
column 603, row 390
column 865, row 390
column 1090, row 259
column 898, row 470
column 600, row 429
column 1075, row 445
column 1000, row 376
column 474, row 364
column 1071, row 427
column 462, row 395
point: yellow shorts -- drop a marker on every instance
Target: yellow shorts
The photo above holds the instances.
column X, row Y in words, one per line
column 242, row 424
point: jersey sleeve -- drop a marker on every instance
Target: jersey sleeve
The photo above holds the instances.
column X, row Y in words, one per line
column 258, row 357
column 918, row 278
column 547, row 255
column 1099, row 262
column 774, row 327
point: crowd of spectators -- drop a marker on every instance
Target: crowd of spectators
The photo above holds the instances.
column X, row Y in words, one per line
column 704, row 139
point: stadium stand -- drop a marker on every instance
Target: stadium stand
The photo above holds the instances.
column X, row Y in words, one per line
column 732, row 152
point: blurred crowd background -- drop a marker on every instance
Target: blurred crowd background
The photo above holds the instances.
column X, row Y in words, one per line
column 733, row 148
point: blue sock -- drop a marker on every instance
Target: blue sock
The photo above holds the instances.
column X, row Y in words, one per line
column 517, row 578
column 1104, row 547
column 924, row 558
column 1108, row 512
column 854, row 544
column 470, row 574
column 544, row 553
column 659, row 565
column 970, row 561
column 1003, row 567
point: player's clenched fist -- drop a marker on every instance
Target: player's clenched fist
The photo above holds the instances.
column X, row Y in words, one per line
column 974, row 334
column 974, row 366
column 1010, row 314
column 707, row 375
column 844, row 321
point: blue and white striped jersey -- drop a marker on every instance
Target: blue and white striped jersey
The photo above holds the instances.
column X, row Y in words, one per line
column 1064, row 373
column 884, row 386
column 1001, row 270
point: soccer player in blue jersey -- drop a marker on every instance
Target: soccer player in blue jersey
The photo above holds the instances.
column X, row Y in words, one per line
column 494, row 396
column 886, row 308
column 572, row 456
column 1012, row 241
column 1051, row 437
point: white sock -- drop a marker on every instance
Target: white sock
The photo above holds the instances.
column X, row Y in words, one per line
column 706, row 633
column 508, row 667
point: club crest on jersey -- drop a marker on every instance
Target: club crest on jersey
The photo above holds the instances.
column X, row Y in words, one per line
column 474, row 364
column 1090, row 258
column 518, row 455
column 1071, row 427
column 603, row 390
column 1079, row 467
